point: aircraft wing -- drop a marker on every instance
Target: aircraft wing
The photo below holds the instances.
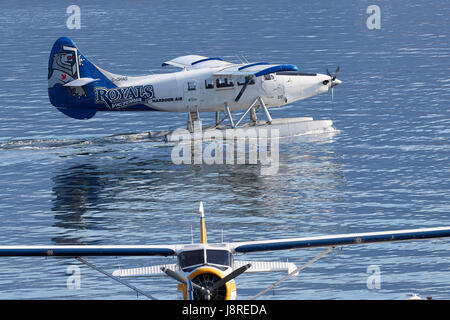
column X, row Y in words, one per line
column 255, row 69
column 339, row 240
column 196, row 62
column 87, row 250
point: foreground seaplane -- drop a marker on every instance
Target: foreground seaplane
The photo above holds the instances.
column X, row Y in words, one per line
column 207, row 271
column 79, row 89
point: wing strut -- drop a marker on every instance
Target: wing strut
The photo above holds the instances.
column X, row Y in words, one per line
column 293, row 273
column 138, row 291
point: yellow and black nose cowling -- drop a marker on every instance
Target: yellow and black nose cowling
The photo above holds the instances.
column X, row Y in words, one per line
column 207, row 277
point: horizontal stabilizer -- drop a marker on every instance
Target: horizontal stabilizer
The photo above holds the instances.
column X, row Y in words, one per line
column 80, row 82
column 265, row 266
column 151, row 271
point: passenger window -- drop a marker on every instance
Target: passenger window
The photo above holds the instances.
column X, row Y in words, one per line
column 224, row 82
column 192, row 85
column 241, row 81
column 209, row 83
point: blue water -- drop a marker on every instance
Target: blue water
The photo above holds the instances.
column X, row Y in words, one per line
column 65, row 181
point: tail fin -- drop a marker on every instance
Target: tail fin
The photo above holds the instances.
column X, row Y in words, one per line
column 71, row 78
column 203, row 238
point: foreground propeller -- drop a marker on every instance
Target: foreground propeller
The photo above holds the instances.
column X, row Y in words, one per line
column 230, row 276
column 207, row 292
column 182, row 279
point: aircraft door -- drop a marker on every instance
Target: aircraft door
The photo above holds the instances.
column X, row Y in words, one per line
column 191, row 95
column 273, row 87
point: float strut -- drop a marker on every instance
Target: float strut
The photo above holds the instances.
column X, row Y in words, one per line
column 269, row 118
column 248, row 109
column 229, row 115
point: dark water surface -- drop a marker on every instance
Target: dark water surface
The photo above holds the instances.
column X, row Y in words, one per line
column 101, row 181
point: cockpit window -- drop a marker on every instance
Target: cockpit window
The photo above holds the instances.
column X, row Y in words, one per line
column 190, row 258
column 191, row 85
column 222, row 257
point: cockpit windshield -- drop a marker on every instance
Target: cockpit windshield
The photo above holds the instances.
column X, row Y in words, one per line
column 222, row 257
column 190, row 258
column 197, row 257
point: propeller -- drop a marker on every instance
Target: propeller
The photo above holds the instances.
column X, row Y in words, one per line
column 332, row 81
column 182, row 279
column 333, row 77
column 230, row 276
column 206, row 291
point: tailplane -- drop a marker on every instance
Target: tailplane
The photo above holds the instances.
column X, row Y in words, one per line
column 71, row 80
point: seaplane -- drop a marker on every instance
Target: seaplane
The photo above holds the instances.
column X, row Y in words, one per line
column 79, row 89
column 206, row 271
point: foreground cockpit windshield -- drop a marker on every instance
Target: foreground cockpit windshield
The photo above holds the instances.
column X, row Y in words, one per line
column 197, row 257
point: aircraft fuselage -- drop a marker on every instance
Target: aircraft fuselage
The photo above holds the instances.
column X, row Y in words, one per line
column 199, row 90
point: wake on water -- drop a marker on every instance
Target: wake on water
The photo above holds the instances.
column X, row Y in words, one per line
column 50, row 144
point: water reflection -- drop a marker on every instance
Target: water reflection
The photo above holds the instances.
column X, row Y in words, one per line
column 76, row 191
column 106, row 191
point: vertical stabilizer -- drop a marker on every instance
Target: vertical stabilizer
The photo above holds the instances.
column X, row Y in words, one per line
column 202, row 224
column 71, row 80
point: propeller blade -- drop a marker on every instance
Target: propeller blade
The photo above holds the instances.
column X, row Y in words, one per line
column 175, row 275
column 182, row 279
column 328, row 73
column 335, row 73
column 230, row 276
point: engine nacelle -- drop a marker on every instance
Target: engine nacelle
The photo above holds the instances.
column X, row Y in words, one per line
column 206, row 277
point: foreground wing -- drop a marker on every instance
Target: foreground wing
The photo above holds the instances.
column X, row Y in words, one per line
column 81, row 251
column 340, row 240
